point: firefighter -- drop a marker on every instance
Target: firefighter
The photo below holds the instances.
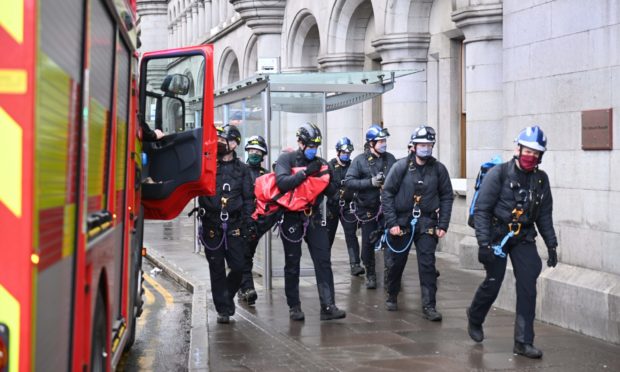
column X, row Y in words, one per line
column 306, row 225
column 514, row 197
column 225, row 219
column 417, row 201
column 256, row 147
column 339, row 206
column 365, row 177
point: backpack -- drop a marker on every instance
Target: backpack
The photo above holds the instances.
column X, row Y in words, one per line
column 484, row 169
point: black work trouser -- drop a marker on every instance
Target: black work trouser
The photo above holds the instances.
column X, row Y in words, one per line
column 247, row 281
column 349, row 226
column 526, row 266
column 224, row 287
column 318, row 245
column 425, row 246
column 369, row 225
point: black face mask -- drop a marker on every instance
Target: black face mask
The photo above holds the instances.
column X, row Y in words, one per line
column 222, row 149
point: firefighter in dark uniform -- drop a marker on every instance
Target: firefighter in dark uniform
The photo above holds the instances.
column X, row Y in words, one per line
column 306, row 225
column 365, row 177
column 514, row 197
column 224, row 217
column 256, row 147
column 417, row 199
column 339, row 206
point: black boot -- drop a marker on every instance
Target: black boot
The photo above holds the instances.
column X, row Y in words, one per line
column 357, row 270
column 391, row 303
column 431, row 314
column 475, row 330
column 371, row 281
column 295, row 313
column 223, row 318
column 527, row 350
column 332, row 312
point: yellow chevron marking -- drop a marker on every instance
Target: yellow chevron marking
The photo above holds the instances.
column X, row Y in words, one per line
column 13, row 81
column 12, row 18
column 10, row 317
column 11, row 167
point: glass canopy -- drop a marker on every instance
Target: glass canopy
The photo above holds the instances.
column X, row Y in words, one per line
column 273, row 106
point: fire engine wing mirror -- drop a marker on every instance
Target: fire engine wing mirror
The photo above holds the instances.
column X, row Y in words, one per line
column 175, row 84
column 176, row 97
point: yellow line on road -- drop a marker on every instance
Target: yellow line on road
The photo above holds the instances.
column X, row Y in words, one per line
column 165, row 294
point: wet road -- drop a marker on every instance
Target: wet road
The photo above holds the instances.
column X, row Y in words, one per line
column 162, row 335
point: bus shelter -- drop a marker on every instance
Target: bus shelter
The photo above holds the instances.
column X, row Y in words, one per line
column 274, row 105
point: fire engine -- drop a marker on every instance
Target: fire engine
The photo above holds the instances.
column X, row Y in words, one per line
column 78, row 178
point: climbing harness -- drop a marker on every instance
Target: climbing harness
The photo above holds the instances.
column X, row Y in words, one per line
column 415, row 213
column 341, row 204
column 292, row 229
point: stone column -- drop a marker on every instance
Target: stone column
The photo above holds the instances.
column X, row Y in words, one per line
column 482, row 27
column 208, row 17
column 201, row 18
column 153, row 14
column 223, row 10
column 348, row 121
column 404, row 107
column 195, row 20
column 188, row 26
column 183, row 30
column 215, row 13
column 170, row 35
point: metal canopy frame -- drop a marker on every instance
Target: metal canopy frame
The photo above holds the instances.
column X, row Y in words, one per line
column 339, row 90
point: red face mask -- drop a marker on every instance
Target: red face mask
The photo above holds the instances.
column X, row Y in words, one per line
column 528, row 162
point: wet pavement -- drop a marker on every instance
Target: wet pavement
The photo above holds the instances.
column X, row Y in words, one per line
column 162, row 333
column 262, row 338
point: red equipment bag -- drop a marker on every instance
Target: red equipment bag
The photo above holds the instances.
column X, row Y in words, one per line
column 270, row 199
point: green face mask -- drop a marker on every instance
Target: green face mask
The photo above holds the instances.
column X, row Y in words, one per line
column 255, row 159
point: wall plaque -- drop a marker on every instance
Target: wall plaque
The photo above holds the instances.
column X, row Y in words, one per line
column 597, row 130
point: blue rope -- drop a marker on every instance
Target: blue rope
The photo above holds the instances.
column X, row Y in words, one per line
column 497, row 249
column 385, row 239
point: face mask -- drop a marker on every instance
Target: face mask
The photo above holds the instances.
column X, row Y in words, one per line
column 222, row 148
column 310, row 153
column 345, row 157
column 528, row 162
column 424, row 153
column 381, row 148
column 255, row 159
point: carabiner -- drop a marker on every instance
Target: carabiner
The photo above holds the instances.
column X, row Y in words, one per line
column 341, row 203
column 416, row 212
column 226, row 187
column 514, row 227
column 223, row 216
column 308, row 212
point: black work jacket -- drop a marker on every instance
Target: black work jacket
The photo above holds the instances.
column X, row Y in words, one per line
column 286, row 180
column 255, row 172
column 431, row 182
column 364, row 167
column 240, row 204
column 340, row 171
column 504, row 188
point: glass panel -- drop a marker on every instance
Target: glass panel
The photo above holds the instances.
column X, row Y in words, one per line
column 284, row 127
column 174, row 97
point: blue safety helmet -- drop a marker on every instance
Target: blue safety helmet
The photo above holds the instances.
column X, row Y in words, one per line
column 533, row 138
column 375, row 133
column 344, row 144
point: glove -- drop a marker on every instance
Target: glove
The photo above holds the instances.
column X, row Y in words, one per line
column 486, row 255
column 377, row 181
column 251, row 232
column 313, row 168
column 553, row 257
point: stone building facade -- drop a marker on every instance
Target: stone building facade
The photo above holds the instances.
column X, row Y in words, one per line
column 491, row 67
